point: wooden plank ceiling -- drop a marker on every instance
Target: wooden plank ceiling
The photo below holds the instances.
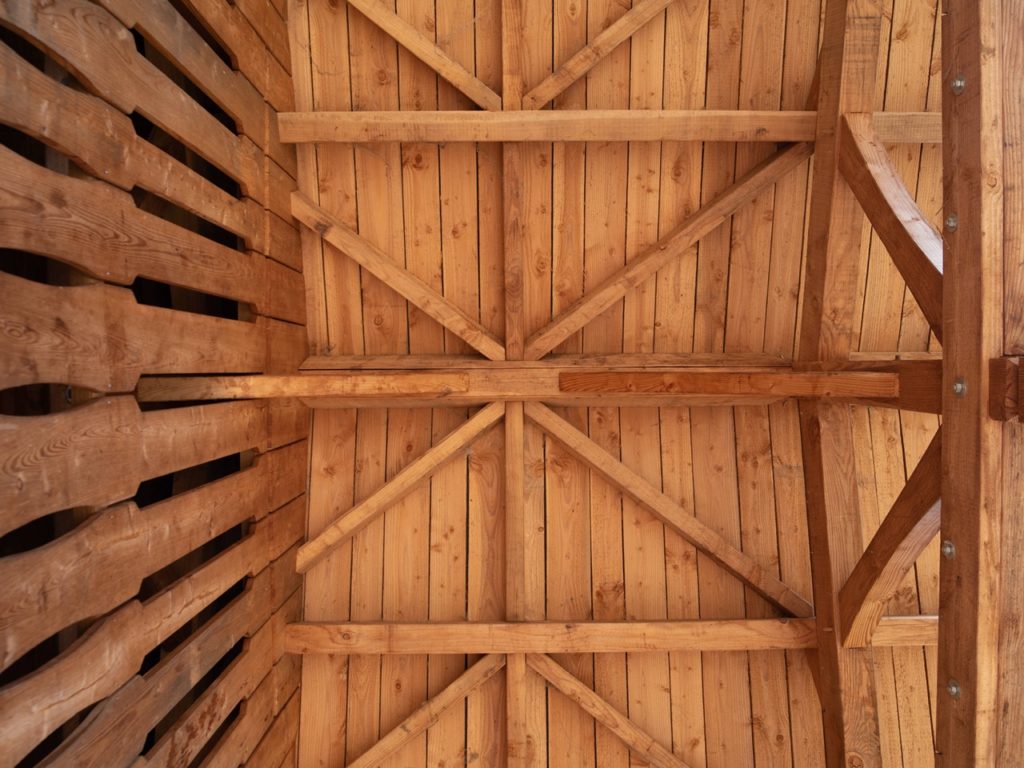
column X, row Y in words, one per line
column 588, row 514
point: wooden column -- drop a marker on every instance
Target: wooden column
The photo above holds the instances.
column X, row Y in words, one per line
column 845, row 677
column 980, row 717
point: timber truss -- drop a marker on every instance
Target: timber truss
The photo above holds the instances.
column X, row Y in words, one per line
column 515, row 379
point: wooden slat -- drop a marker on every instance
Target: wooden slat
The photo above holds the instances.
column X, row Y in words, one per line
column 670, row 512
column 431, row 711
column 98, row 454
column 104, row 142
column 637, row 361
column 116, row 729
column 400, row 485
column 371, row 258
column 635, row 738
column 101, row 564
column 473, row 386
column 915, row 247
column 277, row 748
column 907, row 529
column 269, row 25
column 98, row 229
column 114, row 649
column 591, row 54
column 428, row 52
column 99, row 338
column 670, row 247
column 102, row 54
column 551, row 637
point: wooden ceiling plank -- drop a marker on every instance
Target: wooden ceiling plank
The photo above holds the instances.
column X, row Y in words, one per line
column 428, row 52
column 904, row 534
column 675, row 244
column 915, row 247
column 432, row 303
column 401, row 484
column 629, row 732
column 671, row 513
column 431, row 711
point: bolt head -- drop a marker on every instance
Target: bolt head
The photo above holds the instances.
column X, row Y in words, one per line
column 958, row 85
column 952, row 222
column 948, row 549
column 953, row 688
column 959, row 387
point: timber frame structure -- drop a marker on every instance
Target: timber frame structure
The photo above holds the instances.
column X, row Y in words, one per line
column 385, row 441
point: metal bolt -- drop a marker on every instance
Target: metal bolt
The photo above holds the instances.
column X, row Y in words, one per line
column 952, row 222
column 958, row 85
column 959, row 387
column 953, row 688
column 948, row 549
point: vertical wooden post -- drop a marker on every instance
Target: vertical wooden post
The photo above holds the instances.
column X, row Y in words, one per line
column 845, row 678
column 980, row 630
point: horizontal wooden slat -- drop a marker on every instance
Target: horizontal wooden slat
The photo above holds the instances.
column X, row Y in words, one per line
column 469, row 386
column 101, row 564
column 103, row 141
column 588, row 125
column 269, row 25
column 98, row 454
column 113, row 649
column 628, row 360
column 278, row 745
column 99, row 338
column 101, row 53
column 115, row 731
column 258, row 714
column 98, row 229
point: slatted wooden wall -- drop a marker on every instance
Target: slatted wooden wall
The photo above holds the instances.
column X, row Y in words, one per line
column 147, row 565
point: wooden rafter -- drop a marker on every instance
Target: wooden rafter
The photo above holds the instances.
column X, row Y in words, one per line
column 587, row 125
column 670, row 512
column 428, row 52
column 845, row 677
column 431, row 711
column 375, row 261
column 672, row 246
column 909, row 527
column 361, row 514
column 915, row 247
column 632, row 735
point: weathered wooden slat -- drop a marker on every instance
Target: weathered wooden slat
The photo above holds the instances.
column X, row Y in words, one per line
column 593, row 52
column 636, row 361
column 277, row 748
column 99, row 338
column 102, row 140
column 430, row 712
column 400, row 485
column 428, row 52
column 670, row 247
column 99, row 453
column 98, row 49
column 248, row 52
column 115, row 731
column 98, row 229
column 101, row 564
column 670, row 512
column 638, row 740
column 371, row 258
column 914, row 246
column 114, row 648
column 262, row 701
column 907, row 529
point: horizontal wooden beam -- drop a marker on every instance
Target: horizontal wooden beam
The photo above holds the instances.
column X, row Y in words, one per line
column 626, row 360
column 584, row 637
column 587, row 125
column 473, row 386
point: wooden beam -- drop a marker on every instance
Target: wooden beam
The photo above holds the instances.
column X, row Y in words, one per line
column 632, row 735
column 587, row 125
column 909, row 527
column 400, row 485
column 594, row 52
column 431, row 711
column 473, row 386
column 671, row 513
column 428, row 52
column 915, row 247
column 410, row 287
column 672, row 246
column 637, row 360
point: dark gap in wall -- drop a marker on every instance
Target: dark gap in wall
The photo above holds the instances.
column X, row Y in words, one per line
column 163, row 141
column 175, row 214
column 26, row 400
column 200, row 28
column 154, row 294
